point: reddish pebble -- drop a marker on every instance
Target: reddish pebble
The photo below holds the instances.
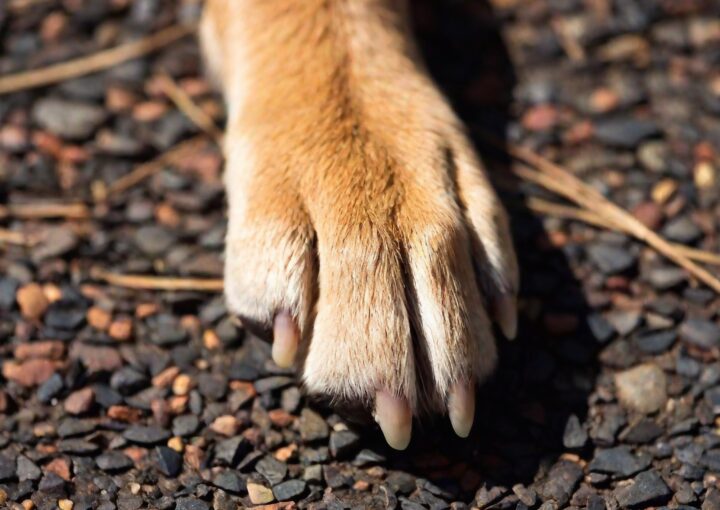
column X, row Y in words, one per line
column 124, row 413
column 149, row 111
column 280, row 418
column 121, row 329
column 118, row 99
column 53, row 26
column 29, row 373
column 60, row 467
column 603, row 100
column 166, row 377
column 32, row 301
column 50, row 349
column 98, row 318
column 145, row 310
column 541, row 118
column 80, row 401
column 226, row 425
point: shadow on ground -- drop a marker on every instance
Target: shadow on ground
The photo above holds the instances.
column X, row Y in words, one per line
column 547, row 374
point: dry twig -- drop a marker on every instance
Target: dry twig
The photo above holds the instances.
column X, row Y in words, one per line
column 555, row 178
column 192, row 111
column 133, row 281
column 45, row 210
column 93, row 63
column 574, row 213
column 19, row 238
column 145, row 170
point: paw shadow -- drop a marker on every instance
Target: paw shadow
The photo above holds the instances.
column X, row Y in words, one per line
column 547, row 375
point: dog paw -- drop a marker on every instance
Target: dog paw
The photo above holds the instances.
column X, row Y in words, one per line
column 363, row 232
column 377, row 274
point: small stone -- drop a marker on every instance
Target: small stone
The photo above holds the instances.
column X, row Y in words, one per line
column 61, row 467
column 682, row 230
column 153, row 240
column 289, row 490
column 177, row 444
column 128, row 380
column 52, row 484
column 212, row 386
column 712, row 499
column 600, row 328
column 185, row 425
column 336, row 478
column 642, row 388
column 653, row 155
column 225, row 425
column 191, row 504
column 27, row 469
column 169, row 461
column 50, row 388
column 273, row 383
column 313, row 473
column 98, row 318
column 146, row 435
column 701, row 333
column 32, row 301
column 656, row 341
column 649, row 214
column 525, row 495
column 114, row 461
column 312, row 426
column 624, row 321
column 65, row 315
column 400, row 482
column 231, row 451
column 49, row 349
column 229, row 481
column 121, row 329
column 705, row 175
column 575, row 435
column 80, row 401
column 78, row 447
column 96, row 358
column 611, row 259
column 182, row 384
column 561, row 482
column 272, row 469
column 72, row 120
column 259, row 494
column 666, row 278
column 65, row 504
column 624, row 132
column 281, row 418
column 618, row 461
column 7, row 468
column 648, row 489
column 343, row 443
column 29, row 373
column 643, row 431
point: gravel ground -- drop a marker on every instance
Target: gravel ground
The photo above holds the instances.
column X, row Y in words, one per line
column 115, row 398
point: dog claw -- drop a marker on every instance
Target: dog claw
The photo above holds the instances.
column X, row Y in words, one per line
column 505, row 308
column 286, row 338
column 394, row 416
column 461, row 408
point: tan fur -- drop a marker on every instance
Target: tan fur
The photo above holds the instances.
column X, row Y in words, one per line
column 356, row 201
